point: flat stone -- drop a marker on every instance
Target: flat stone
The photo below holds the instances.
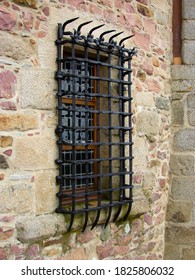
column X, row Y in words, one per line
column 3, row 162
column 177, row 116
column 28, row 3
column 183, row 72
column 6, row 141
column 179, row 212
column 32, row 229
column 180, row 234
column 147, row 123
column 191, row 117
column 163, row 103
column 191, row 100
column 7, row 19
column 188, row 30
column 182, row 85
column 20, row 50
column 188, row 52
column 17, row 122
column 8, row 84
column 183, row 189
column 184, row 140
column 188, row 9
column 182, row 165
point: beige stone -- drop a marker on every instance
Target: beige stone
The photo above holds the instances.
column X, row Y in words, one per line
column 172, row 252
column 28, row 3
column 179, row 212
column 188, row 253
column 177, row 116
column 16, row 199
column 180, row 234
column 38, row 89
column 6, row 141
column 17, row 122
column 183, row 188
column 45, row 192
column 35, row 153
column 20, row 50
column 147, row 123
column 182, row 164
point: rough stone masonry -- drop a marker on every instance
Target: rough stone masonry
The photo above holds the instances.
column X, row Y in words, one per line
column 29, row 226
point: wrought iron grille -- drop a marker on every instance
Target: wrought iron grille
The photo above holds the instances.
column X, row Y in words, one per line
column 94, row 124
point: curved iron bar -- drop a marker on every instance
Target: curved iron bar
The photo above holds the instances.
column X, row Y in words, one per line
column 67, row 22
column 124, row 39
column 96, row 220
column 117, row 213
column 112, row 37
column 104, row 33
column 93, row 29
column 71, row 221
column 128, row 211
column 78, row 31
column 85, row 223
column 109, row 216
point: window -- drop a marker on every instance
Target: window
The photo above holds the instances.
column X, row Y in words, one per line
column 94, row 124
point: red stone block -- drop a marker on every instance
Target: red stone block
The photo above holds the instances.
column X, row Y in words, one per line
column 6, row 233
column 3, row 254
column 7, row 84
column 8, row 105
column 7, row 19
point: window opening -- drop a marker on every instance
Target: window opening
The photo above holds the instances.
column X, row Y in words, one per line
column 94, row 124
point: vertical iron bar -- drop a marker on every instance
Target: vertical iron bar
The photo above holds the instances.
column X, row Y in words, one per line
column 109, row 138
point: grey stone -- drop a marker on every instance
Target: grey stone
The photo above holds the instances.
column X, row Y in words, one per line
column 172, row 252
column 180, row 234
column 188, row 52
column 191, row 100
column 148, row 123
column 182, row 165
column 188, row 28
column 188, row 9
column 183, row 72
column 162, row 18
column 191, row 117
column 177, row 112
column 183, row 189
column 179, row 212
column 184, row 140
column 183, row 85
column 163, row 103
column 188, row 253
column 31, row 229
column 3, row 162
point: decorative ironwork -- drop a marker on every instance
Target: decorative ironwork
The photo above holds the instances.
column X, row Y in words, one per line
column 94, row 123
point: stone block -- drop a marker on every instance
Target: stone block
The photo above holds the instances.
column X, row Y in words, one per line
column 183, row 72
column 163, row 103
column 3, row 162
column 28, row 3
column 7, row 19
column 188, row 254
column 32, row 229
column 179, row 212
column 20, row 50
column 188, row 52
column 37, row 153
column 172, row 252
column 177, row 112
column 162, row 18
column 17, row 122
column 182, row 85
column 6, row 141
column 191, row 101
column 188, row 9
column 183, row 189
column 16, row 198
column 184, row 140
column 182, row 165
column 188, row 30
column 45, row 192
column 8, row 83
column 147, row 123
column 191, row 117
column 38, row 89
column 180, row 234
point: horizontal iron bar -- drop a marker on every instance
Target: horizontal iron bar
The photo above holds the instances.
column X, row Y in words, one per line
column 97, row 160
column 98, row 144
column 98, row 175
column 124, row 98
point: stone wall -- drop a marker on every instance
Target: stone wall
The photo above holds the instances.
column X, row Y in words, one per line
column 180, row 231
column 29, row 226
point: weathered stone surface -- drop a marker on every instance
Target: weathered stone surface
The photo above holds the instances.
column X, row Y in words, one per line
column 172, row 252
column 144, row 10
column 183, row 72
column 17, row 122
column 182, row 165
column 28, row 3
column 191, row 101
column 37, row 153
column 188, row 254
column 162, row 17
column 180, row 234
column 191, row 117
column 183, row 85
column 45, row 192
column 38, row 89
column 147, row 123
column 177, row 110
column 6, row 141
column 188, row 28
column 144, row 99
column 188, row 9
column 7, row 84
column 31, row 229
column 185, row 140
column 16, row 199
column 188, row 52
column 183, row 188
column 3, row 162
column 21, row 49
column 179, row 212
column 163, row 103
column 7, row 19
